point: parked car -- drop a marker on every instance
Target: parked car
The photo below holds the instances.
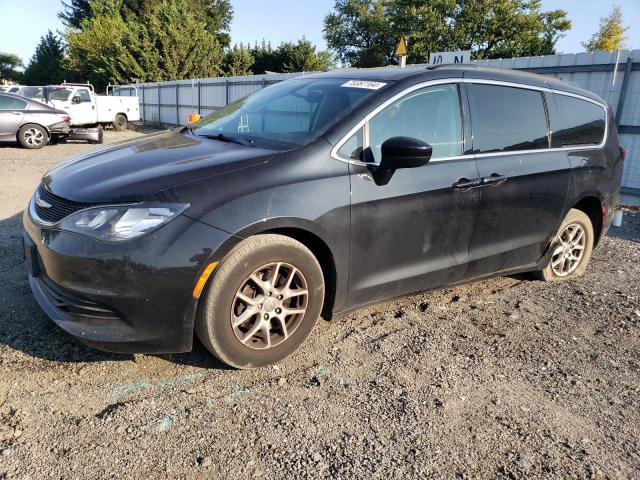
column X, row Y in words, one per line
column 316, row 196
column 30, row 123
column 9, row 88
column 88, row 109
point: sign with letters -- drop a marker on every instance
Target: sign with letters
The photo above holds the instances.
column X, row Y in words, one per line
column 440, row 58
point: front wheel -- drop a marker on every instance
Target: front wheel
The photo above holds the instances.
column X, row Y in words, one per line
column 572, row 248
column 262, row 302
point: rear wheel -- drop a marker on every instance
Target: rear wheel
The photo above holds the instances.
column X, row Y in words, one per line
column 33, row 136
column 262, row 302
column 120, row 122
column 572, row 248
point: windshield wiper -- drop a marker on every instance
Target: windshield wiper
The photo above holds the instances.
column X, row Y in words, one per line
column 223, row 137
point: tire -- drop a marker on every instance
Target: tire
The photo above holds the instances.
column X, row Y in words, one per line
column 33, row 136
column 575, row 226
column 246, row 345
column 120, row 122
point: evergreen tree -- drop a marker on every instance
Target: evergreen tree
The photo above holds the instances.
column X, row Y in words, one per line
column 238, row 61
column 125, row 41
column 47, row 63
column 610, row 37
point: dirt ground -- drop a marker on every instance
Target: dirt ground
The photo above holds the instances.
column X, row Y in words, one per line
column 505, row 378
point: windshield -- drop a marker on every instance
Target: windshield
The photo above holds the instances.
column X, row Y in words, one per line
column 60, row 94
column 288, row 114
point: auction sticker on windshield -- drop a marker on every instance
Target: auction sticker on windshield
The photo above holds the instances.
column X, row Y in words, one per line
column 363, row 84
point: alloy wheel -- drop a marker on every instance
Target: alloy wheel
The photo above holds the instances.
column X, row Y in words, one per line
column 569, row 250
column 269, row 305
column 33, row 136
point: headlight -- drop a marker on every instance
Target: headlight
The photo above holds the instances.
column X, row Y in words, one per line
column 118, row 224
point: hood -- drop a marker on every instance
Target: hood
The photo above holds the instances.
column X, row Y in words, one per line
column 138, row 169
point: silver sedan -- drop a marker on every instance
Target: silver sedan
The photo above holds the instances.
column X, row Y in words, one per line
column 30, row 123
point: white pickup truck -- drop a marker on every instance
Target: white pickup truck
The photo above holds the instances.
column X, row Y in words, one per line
column 88, row 109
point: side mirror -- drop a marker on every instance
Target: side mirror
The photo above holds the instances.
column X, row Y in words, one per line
column 401, row 152
column 75, row 100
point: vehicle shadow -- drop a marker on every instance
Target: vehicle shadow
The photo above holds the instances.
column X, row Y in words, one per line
column 23, row 325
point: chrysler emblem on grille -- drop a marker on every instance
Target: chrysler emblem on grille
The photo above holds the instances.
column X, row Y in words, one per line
column 42, row 202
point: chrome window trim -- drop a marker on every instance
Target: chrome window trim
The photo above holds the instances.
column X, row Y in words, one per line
column 365, row 121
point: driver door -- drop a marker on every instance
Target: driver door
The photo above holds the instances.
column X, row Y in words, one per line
column 413, row 233
column 83, row 111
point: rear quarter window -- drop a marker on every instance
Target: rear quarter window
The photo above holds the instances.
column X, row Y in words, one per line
column 577, row 122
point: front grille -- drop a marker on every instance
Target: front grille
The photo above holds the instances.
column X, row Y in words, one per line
column 60, row 207
column 73, row 304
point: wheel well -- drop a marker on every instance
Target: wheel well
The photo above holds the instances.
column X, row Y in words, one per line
column 325, row 258
column 593, row 208
column 121, row 113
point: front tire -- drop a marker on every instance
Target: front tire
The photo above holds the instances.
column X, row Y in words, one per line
column 33, row 136
column 262, row 302
column 572, row 248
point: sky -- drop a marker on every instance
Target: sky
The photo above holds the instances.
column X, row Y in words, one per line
column 22, row 22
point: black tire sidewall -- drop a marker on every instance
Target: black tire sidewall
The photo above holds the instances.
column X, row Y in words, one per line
column 216, row 313
column 120, row 122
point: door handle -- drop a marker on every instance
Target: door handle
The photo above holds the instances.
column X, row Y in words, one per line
column 493, row 179
column 466, row 184
column 17, row 113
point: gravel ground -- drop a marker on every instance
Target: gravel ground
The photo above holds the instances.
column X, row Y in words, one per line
column 507, row 377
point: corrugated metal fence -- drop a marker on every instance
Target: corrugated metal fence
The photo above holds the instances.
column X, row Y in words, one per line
column 613, row 76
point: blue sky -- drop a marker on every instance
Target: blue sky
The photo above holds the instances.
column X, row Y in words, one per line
column 22, row 22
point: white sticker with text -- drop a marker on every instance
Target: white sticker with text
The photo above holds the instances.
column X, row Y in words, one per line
column 364, row 84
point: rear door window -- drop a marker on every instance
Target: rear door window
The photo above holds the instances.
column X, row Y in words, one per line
column 507, row 118
column 577, row 122
column 6, row 103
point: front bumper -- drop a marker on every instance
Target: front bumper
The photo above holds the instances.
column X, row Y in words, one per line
column 130, row 297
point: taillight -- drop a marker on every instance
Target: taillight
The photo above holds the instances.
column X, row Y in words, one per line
column 623, row 153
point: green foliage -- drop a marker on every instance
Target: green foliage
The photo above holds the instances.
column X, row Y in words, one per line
column 360, row 32
column 302, row 57
column 363, row 32
column 610, row 37
column 9, row 67
column 290, row 57
column 47, row 64
column 125, row 41
column 74, row 11
column 238, row 61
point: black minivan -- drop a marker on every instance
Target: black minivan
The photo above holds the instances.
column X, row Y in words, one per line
column 318, row 195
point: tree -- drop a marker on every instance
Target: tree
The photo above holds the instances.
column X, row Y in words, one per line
column 610, row 37
column 290, row 57
column 125, row 41
column 301, row 57
column 74, row 12
column 238, row 61
column 360, row 33
column 363, row 32
column 9, row 67
column 47, row 63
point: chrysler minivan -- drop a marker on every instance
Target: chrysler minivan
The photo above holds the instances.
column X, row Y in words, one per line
column 318, row 195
